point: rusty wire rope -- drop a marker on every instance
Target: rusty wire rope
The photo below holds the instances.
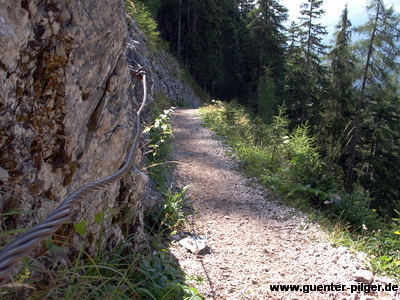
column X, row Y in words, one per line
column 18, row 248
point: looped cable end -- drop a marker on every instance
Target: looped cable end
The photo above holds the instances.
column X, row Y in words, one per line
column 139, row 73
column 18, row 248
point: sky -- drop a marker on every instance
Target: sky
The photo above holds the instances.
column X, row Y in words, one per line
column 333, row 10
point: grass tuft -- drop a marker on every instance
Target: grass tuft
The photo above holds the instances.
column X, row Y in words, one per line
column 68, row 271
column 288, row 163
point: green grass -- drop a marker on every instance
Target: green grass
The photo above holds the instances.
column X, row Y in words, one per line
column 159, row 132
column 68, row 271
column 189, row 80
column 138, row 11
column 142, row 15
column 289, row 164
column 117, row 274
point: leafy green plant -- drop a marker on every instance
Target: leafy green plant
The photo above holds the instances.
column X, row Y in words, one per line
column 80, row 228
column 120, row 272
column 159, row 132
column 160, row 104
column 117, row 273
column 290, row 165
column 139, row 12
column 171, row 214
column 383, row 246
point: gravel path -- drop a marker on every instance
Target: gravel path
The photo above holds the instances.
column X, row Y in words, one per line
column 253, row 241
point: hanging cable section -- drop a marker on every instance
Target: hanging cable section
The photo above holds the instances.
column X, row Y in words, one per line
column 23, row 243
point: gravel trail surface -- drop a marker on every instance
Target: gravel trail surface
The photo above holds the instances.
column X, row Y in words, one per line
column 253, row 241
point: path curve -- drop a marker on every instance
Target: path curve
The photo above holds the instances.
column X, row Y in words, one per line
column 253, row 241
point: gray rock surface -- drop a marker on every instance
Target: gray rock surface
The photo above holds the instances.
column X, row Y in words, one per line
column 364, row 276
column 166, row 76
column 67, row 115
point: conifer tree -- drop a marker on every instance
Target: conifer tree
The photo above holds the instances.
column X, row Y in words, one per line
column 338, row 109
column 266, row 97
column 268, row 45
column 210, row 37
column 380, row 51
column 380, row 139
column 309, row 36
column 295, row 87
column 267, row 30
column 292, row 35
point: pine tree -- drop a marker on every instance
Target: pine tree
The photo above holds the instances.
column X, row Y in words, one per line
column 268, row 44
column 342, row 66
column 310, row 35
column 380, row 140
column 245, row 7
column 380, row 50
column 266, row 97
column 210, row 38
column 338, row 108
column 295, row 87
column 267, row 30
column 234, row 39
column 292, row 31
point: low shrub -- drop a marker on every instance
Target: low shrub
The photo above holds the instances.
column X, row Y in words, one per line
column 289, row 164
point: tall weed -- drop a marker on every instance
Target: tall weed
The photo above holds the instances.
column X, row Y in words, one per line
column 159, row 132
column 289, row 164
column 139, row 12
column 117, row 273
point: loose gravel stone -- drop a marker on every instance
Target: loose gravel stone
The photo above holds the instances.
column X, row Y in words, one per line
column 253, row 240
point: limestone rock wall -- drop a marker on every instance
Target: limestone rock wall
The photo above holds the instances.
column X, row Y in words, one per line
column 166, row 76
column 67, row 115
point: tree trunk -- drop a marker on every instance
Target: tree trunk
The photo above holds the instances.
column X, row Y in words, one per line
column 350, row 172
column 179, row 29
column 307, row 71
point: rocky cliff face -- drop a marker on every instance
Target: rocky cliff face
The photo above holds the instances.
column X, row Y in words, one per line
column 166, row 78
column 67, row 115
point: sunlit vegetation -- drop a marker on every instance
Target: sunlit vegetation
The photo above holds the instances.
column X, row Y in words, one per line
column 120, row 272
column 289, row 163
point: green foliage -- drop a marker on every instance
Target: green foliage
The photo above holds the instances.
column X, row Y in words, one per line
column 80, row 228
column 159, row 131
column 120, row 272
column 290, row 165
column 355, row 209
column 160, row 104
column 266, row 97
column 153, row 6
column 116, row 274
column 267, row 44
column 211, row 38
column 201, row 93
column 172, row 213
column 376, row 113
column 139, row 12
column 384, row 247
column 306, row 76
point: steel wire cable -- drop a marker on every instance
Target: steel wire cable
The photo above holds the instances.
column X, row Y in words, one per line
column 19, row 247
